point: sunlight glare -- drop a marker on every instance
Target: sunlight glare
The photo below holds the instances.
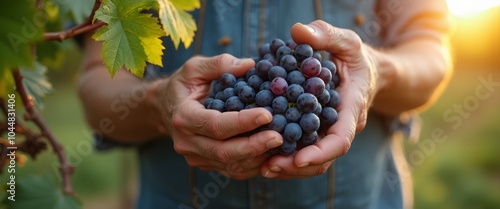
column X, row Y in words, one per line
column 470, row 7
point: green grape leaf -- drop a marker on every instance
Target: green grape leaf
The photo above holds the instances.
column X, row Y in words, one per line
column 77, row 10
column 177, row 23
column 188, row 5
column 6, row 83
column 131, row 38
column 20, row 27
column 36, row 83
column 40, row 192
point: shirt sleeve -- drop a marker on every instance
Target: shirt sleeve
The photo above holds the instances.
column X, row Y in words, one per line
column 403, row 20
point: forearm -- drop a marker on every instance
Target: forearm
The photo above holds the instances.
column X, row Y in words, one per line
column 124, row 108
column 411, row 75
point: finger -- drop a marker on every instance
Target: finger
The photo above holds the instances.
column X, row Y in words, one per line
column 339, row 136
column 284, row 165
column 239, row 148
column 193, row 116
column 323, row 36
column 212, row 68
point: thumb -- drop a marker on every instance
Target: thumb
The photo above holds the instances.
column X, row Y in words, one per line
column 323, row 36
column 212, row 68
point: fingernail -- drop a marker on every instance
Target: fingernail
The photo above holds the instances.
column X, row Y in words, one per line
column 275, row 169
column 273, row 143
column 270, row 174
column 240, row 61
column 263, row 119
column 311, row 29
column 303, row 165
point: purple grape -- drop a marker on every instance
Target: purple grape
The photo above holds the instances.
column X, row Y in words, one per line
column 302, row 51
column 291, row 44
column 255, row 81
column 292, row 132
column 309, row 122
column 278, row 86
column 220, row 95
column 282, row 51
column 234, row 104
column 325, row 75
column 295, row 77
column 280, row 104
column 324, row 97
column 250, row 106
column 217, row 104
column 264, row 98
column 293, row 115
column 229, row 92
column 317, row 55
column 239, row 85
column 250, row 72
column 334, row 99
column 264, row 49
column 268, row 108
column 308, row 139
column 278, row 123
column 293, row 92
column 330, row 65
column 247, row 94
column 275, row 45
column 262, row 67
column 288, row 62
column 277, row 71
column 328, row 116
column 307, row 102
column 310, row 67
column 287, row 148
column 318, row 110
column 314, row 85
column 227, row 80
column 336, row 80
column 207, row 102
column 265, row 86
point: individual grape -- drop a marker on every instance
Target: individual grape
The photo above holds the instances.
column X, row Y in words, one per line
column 278, row 123
column 262, row 67
column 293, row 92
column 220, row 95
column 314, row 85
column 288, row 62
column 277, row 71
column 264, row 98
column 234, row 104
column 264, row 49
column 278, row 86
column 308, row 139
column 287, row 148
column 255, row 81
column 292, row 132
column 302, row 51
column 280, row 104
column 275, row 45
column 331, row 85
column 318, row 110
column 325, row 75
column 293, row 115
column 317, row 55
column 216, row 87
column 217, row 104
column 268, row 57
column 282, row 51
column 336, row 80
column 250, row 72
column 330, row 66
column 229, row 92
column 295, row 77
column 328, row 116
column 307, row 102
column 247, row 94
column 207, row 101
column 239, row 85
column 227, row 80
column 291, row 44
column 269, row 108
column 324, row 97
column 265, row 86
column 309, row 122
column 310, row 67
column 334, row 99
column 240, row 79
column 251, row 106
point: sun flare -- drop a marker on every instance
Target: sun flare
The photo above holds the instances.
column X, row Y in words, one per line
column 469, row 7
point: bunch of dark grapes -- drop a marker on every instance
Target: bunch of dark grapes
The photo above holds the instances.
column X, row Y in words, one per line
column 293, row 83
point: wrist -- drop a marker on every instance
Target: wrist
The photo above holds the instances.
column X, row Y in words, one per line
column 386, row 69
column 161, row 110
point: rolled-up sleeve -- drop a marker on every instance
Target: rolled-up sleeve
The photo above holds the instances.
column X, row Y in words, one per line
column 403, row 20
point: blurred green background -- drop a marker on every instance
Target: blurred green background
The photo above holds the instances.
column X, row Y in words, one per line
column 461, row 172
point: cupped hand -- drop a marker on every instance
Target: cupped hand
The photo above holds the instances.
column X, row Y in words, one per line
column 209, row 139
column 357, row 88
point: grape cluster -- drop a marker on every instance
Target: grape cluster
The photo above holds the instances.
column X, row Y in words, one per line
column 293, row 83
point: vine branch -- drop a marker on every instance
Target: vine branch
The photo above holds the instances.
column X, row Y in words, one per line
column 65, row 169
column 85, row 26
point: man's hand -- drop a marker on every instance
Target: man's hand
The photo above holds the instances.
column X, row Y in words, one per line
column 203, row 136
column 357, row 88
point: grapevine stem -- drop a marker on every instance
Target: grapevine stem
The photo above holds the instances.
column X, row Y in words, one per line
column 85, row 26
column 65, row 169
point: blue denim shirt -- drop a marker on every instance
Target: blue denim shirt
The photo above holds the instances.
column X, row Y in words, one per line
column 365, row 177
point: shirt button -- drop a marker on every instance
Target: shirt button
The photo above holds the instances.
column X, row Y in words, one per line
column 359, row 19
column 225, row 41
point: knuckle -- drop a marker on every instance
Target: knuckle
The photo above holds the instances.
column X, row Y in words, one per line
column 322, row 168
column 222, row 155
column 180, row 147
column 346, row 145
column 234, row 168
